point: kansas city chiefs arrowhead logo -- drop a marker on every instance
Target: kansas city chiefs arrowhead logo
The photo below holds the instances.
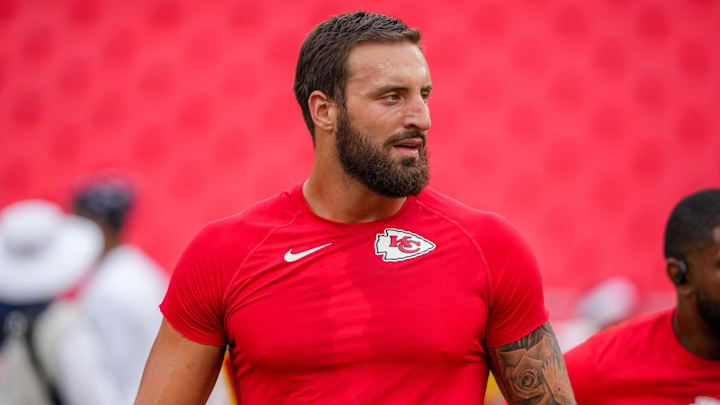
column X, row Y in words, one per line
column 396, row 245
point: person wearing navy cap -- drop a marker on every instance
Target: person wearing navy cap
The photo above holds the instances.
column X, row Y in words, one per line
column 121, row 299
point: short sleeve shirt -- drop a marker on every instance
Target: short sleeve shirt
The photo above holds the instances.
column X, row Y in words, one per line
column 400, row 310
column 641, row 362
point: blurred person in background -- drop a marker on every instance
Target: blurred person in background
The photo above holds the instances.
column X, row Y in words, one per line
column 360, row 285
column 670, row 357
column 44, row 254
column 121, row 298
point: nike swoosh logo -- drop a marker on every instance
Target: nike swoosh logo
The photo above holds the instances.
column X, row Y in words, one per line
column 291, row 257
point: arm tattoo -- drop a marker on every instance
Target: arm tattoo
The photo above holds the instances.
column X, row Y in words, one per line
column 531, row 370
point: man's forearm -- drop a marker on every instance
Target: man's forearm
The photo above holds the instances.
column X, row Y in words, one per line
column 531, row 370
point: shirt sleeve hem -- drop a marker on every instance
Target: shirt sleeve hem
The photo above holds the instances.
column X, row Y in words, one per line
column 205, row 340
column 522, row 333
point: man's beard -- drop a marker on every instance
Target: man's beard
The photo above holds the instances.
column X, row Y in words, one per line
column 709, row 311
column 375, row 167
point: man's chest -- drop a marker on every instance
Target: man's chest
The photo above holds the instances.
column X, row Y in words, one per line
column 388, row 294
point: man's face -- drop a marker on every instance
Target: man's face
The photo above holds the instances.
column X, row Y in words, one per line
column 705, row 265
column 380, row 137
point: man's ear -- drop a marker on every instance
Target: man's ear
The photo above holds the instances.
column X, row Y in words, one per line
column 323, row 111
column 673, row 270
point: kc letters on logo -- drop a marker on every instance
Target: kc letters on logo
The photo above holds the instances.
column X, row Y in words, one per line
column 396, row 245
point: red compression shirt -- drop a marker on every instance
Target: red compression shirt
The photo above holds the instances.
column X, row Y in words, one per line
column 395, row 311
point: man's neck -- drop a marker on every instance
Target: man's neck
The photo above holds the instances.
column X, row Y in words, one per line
column 340, row 198
column 694, row 334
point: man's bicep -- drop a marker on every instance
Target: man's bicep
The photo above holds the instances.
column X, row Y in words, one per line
column 178, row 370
column 531, row 370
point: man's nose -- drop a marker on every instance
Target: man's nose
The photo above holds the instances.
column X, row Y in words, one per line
column 417, row 114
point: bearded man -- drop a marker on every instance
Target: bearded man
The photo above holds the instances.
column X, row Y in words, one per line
column 360, row 286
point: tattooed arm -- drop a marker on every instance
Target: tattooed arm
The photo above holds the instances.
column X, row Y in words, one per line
column 531, row 370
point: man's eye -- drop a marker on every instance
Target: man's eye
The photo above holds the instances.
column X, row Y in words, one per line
column 391, row 97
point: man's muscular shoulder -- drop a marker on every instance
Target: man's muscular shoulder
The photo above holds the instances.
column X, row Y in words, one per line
column 249, row 225
column 226, row 241
column 488, row 229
